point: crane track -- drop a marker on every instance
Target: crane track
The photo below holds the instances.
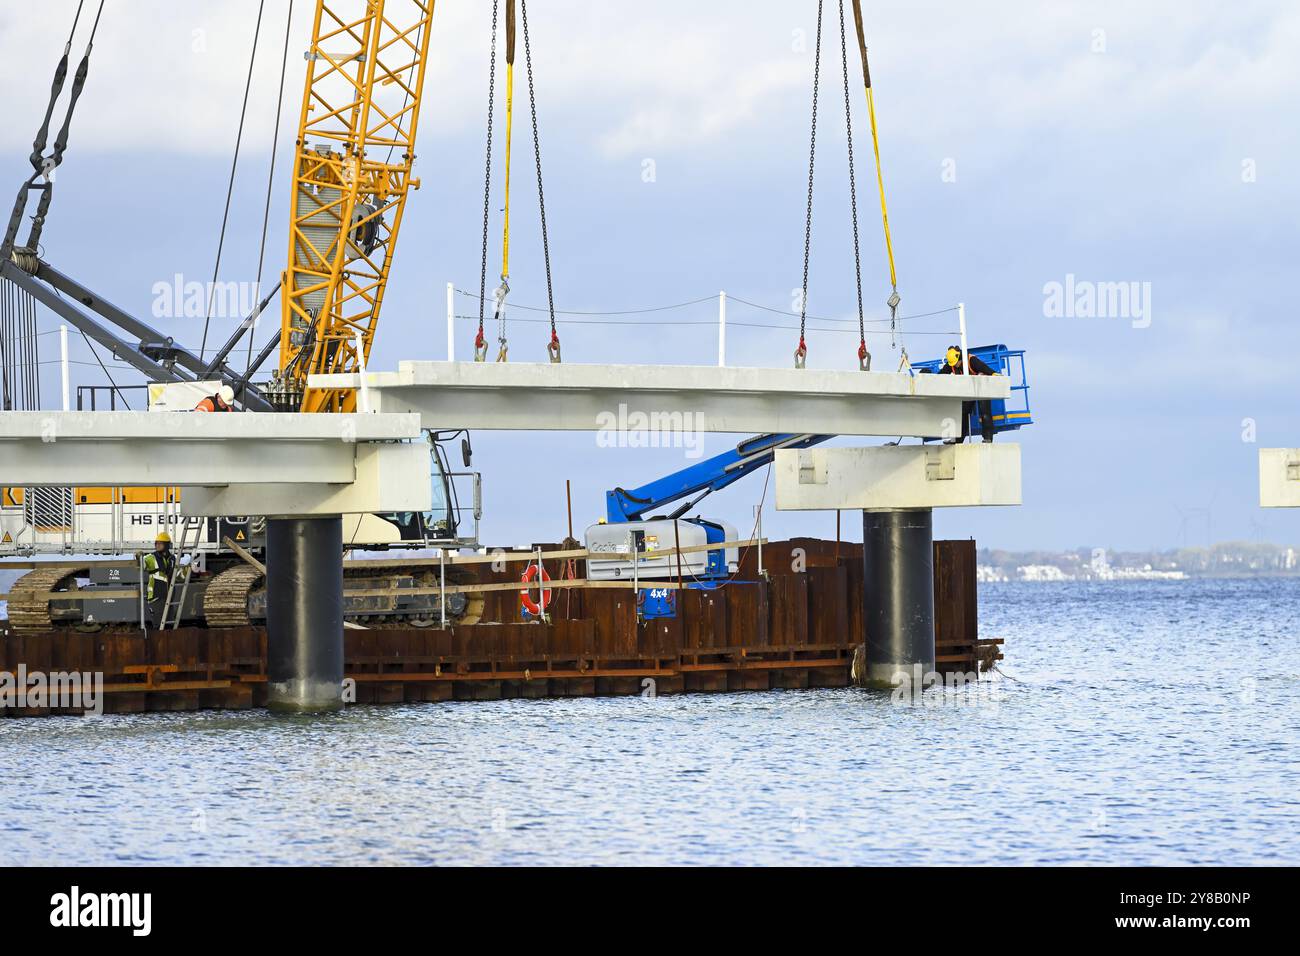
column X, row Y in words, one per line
column 28, row 608
column 424, row 578
column 225, row 603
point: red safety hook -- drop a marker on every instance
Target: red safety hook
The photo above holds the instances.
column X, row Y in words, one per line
column 480, row 346
column 553, row 347
column 864, row 357
column 800, row 354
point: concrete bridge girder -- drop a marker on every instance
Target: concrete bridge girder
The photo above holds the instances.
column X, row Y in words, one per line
column 556, row 397
column 262, row 463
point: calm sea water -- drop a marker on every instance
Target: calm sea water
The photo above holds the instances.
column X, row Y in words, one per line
column 1144, row 723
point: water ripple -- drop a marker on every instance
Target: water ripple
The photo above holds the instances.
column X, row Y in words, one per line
column 1138, row 724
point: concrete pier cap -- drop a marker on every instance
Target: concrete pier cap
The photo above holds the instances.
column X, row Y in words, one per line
column 893, row 477
column 897, row 487
column 1279, row 477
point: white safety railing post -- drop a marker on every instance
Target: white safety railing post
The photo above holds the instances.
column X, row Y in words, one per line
column 722, row 329
column 451, row 322
column 363, row 391
column 961, row 324
column 63, row 362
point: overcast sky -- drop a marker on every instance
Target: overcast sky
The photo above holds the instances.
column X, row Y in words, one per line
column 1151, row 143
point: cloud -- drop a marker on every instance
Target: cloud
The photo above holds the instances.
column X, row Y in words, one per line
column 627, row 79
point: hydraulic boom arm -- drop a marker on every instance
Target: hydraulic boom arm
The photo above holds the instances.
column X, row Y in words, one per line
column 701, row 479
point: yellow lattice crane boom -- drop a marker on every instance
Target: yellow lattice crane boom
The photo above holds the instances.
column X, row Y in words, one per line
column 355, row 149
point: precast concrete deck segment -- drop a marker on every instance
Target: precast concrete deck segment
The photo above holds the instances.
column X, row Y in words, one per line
column 894, row 477
column 566, row 397
column 343, row 463
column 1279, row 477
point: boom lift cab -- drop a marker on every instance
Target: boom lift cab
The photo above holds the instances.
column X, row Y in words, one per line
column 646, row 538
column 697, row 569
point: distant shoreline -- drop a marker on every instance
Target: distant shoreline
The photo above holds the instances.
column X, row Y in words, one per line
column 1133, row 579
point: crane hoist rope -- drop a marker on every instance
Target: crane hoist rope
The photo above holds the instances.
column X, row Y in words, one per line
column 480, row 342
column 503, row 290
column 553, row 346
column 801, row 352
column 230, row 187
column 43, row 166
column 864, row 357
column 894, row 299
column 499, row 294
column 270, row 179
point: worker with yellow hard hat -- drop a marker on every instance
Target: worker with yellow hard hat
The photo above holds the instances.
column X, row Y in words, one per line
column 159, row 566
column 953, row 365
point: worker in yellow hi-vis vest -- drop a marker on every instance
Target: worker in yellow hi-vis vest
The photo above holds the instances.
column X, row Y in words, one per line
column 158, row 568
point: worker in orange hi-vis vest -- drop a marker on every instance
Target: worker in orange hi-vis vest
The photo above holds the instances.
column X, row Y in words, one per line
column 220, row 402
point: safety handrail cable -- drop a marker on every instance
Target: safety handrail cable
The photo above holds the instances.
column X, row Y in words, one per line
column 230, row 188
column 825, row 318
column 626, row 323
column 706, row 298
column 542, row 308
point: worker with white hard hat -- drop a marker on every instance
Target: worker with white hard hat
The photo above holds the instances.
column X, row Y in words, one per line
column 222, row 401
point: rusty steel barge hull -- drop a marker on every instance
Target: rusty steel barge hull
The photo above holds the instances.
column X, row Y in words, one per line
column 795, row 626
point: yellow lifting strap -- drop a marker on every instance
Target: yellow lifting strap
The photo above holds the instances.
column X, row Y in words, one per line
column 875, row 144
column 510, row 115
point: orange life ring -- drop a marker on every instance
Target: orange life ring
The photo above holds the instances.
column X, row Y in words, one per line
column 525, row 594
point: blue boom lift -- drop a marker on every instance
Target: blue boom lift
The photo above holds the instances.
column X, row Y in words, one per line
column 628, row 519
